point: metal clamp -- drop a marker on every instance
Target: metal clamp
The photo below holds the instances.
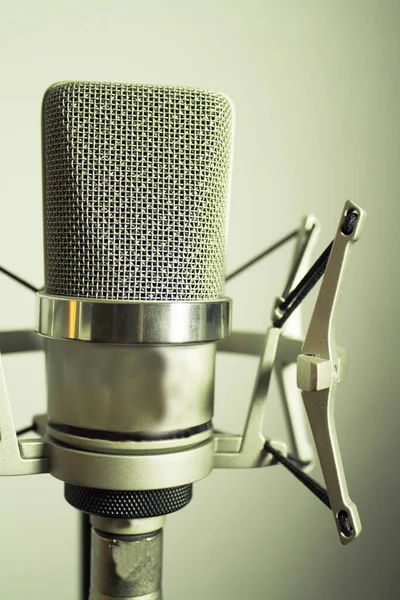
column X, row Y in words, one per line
column 320, row 370
column 278, row 351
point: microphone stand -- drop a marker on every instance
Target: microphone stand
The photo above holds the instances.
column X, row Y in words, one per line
column 127, row 558
column 85, row 530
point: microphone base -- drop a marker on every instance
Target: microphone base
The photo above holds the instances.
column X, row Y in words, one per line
column 166, row 468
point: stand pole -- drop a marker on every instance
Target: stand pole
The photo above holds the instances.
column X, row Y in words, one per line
column 85, row 544
column 126, row 559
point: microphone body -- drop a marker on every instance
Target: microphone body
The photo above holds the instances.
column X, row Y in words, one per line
column 141, row 393
column 136, row 184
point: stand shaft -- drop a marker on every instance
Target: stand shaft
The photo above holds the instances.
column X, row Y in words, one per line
column 126, row 567
column 85, row 543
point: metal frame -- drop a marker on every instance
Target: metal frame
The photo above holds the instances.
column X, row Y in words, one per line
column 319, row 370
column 24, row 457
column 279, row 351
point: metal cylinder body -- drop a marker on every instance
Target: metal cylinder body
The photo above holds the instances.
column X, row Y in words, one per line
column 126, row 566
column 136, row 186
column 143, row 390
column 130, row 417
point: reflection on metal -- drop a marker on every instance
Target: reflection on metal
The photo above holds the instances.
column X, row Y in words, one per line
column 133, row 322
column 105, row 446
column 20, row 341
column 128, row 526
column 307, row 237
column 280, row 354
column 252, row 344
column 308, row 233
column 296, row 420
column 243, row 342
column 137, row 389
column 320, row 370
column 126, row 565
column 248, row 450
column 24, row 457
column 40, row 422
column 156, row 464
column 148, row 471
column 277, row 350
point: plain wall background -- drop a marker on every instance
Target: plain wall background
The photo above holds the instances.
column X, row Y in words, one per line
column 316, row 85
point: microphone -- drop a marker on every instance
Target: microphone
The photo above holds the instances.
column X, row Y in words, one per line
column 136, row 184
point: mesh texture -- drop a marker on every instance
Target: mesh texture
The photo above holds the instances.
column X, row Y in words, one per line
column 136, row 184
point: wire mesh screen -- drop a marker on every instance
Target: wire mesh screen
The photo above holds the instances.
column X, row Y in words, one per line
column 136, row 184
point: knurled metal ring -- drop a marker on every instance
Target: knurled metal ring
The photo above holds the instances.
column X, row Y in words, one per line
column 128, row 504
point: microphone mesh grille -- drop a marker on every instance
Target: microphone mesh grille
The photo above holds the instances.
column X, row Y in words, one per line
column 135, row 191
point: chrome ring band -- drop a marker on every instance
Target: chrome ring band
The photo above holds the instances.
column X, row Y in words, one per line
column 127, row 447
column 120, row 322
column 127, row 526
column 133, row 471
column 153, row 596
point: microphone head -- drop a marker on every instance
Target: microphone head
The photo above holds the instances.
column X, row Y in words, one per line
column 136, row 183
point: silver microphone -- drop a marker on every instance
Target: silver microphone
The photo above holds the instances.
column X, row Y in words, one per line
column 136, row 185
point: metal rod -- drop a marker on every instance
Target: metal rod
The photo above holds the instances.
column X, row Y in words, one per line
column 251, row 262
column 125, row 566
column 85, row 544
column 19, row 279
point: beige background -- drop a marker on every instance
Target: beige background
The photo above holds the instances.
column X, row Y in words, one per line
column 316, row 86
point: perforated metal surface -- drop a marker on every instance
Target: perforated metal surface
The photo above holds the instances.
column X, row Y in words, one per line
column 135, row 185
